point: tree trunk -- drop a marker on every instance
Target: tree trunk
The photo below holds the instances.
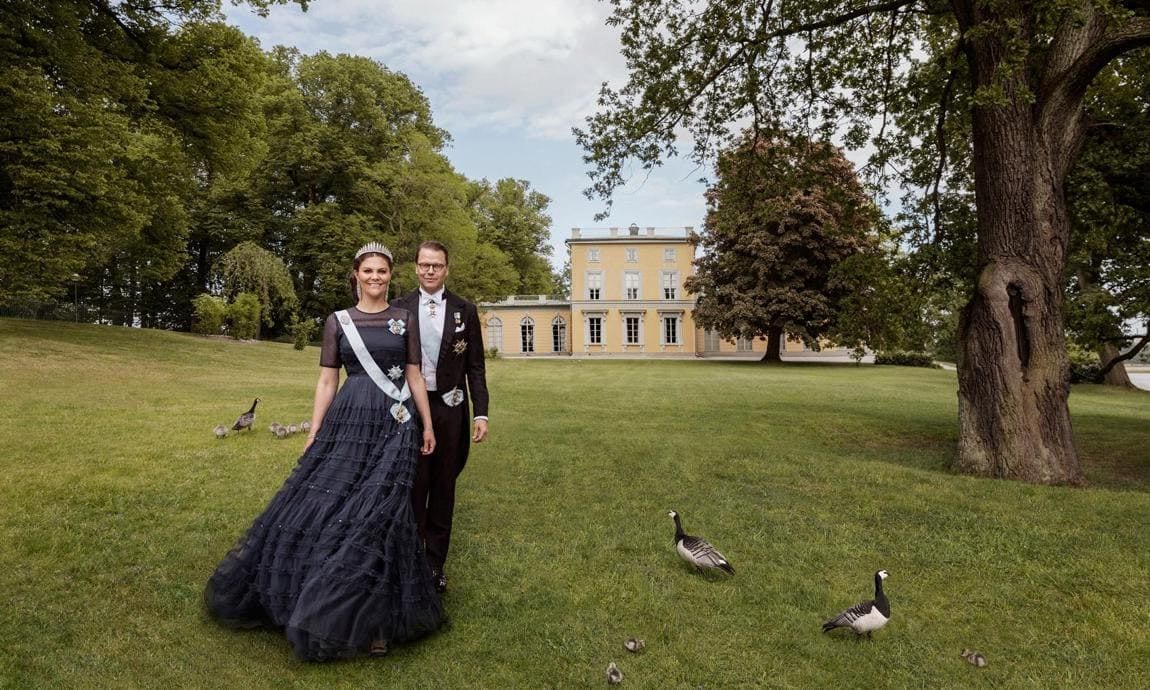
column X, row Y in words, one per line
column 774, row 349
column 1117, row 375
column 1013, row 371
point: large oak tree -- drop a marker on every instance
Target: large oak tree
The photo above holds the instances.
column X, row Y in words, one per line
column 1021, row 69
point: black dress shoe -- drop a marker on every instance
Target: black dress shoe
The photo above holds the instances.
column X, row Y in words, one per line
column 440, row 579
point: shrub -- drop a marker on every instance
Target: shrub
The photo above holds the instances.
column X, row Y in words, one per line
column 210, row 314
column 1085, row 366
column 302, row 331
column 492, row 353
column 244, row 314
column 905, row 359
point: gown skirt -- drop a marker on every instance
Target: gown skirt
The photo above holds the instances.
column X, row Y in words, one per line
column 336, row 561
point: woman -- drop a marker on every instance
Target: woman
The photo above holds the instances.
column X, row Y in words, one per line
column 336, row 561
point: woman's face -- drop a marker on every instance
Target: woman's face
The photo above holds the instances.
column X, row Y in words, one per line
column 373, row 276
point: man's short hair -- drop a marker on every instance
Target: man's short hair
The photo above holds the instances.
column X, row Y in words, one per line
column 436, row 247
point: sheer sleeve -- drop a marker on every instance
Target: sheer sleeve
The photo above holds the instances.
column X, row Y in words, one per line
column 329, row 353
column 414, row 349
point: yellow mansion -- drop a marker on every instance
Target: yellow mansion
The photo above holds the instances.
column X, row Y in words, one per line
column 627, row 299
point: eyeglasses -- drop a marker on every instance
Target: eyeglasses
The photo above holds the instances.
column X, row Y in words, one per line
column 431, row 268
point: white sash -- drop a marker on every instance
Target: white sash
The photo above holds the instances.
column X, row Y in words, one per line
column 372, row 369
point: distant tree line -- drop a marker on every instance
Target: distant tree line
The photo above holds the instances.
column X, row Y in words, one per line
column 142, row 143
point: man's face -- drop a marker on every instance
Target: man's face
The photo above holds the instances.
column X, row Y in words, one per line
column 431, row 269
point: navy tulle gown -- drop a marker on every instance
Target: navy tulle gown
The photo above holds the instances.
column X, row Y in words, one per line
column 335, row 561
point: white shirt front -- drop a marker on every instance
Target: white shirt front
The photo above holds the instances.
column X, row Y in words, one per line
column 436, row 321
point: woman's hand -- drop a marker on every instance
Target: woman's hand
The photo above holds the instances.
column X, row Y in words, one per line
column 428, row 442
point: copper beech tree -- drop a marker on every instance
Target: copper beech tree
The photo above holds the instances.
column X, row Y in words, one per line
column 1020, row 70
column 782, row 215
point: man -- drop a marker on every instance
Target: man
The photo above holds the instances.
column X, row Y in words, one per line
column 455, row 372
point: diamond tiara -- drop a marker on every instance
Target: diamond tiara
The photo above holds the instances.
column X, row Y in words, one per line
column 374, row 248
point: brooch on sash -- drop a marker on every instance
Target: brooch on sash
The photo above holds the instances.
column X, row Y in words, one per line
column 453, row 397
column 395, row 373
column 459, row 346
column 400, row 413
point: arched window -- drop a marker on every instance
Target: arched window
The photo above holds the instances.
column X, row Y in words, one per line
column 527, row 334
column 558, row 334
column 495, row 333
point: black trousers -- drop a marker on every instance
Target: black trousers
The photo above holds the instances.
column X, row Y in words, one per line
column 433, row 493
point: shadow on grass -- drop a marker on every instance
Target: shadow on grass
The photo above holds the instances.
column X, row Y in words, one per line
column 867, row 421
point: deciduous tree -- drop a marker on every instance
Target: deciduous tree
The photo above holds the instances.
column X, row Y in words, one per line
column 512, row 217
column 781, row 217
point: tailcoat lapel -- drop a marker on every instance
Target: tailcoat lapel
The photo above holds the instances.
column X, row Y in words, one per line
column 452, row 306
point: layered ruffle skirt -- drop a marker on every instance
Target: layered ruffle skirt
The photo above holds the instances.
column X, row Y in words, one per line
column 336, row 561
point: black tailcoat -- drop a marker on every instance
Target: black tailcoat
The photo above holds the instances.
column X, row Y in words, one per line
column 460, row 365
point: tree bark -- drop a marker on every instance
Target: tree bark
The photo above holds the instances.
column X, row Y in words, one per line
column 1013, row 370
column 774, row 348
column 1117, row 375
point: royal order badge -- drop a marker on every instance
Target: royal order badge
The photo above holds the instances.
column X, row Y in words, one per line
column 400, row 413
column 460, row 346
column 453, row 397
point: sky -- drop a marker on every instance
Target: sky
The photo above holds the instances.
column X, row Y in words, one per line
column 508, row 79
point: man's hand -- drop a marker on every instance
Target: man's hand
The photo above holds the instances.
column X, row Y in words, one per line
column 480, row 431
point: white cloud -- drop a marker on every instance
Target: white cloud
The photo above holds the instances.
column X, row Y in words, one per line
column 534, row 65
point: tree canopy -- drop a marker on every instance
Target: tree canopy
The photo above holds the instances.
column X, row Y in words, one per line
column 782, row 216
column 141, row 142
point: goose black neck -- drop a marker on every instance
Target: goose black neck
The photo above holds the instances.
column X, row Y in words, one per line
column 253, row 407
column 880, row 600
column 679, row 534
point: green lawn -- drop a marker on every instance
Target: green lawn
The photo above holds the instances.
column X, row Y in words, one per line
column 117, row 502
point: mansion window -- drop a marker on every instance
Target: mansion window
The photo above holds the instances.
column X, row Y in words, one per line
column 593, row 255
column 594, row 285
column 495, row 333
column 669, row 255
column 744, row 344
column 631, row 285
column 558, row 334
column 631, row 330
column 632, row 255
column 595, row 330
column 670, row 285
column 527, row 334
column 671, row 330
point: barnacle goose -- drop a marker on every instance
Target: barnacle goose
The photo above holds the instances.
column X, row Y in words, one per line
column 867, row 616
column 614, row 675
column 973, row 657
column 698, row 551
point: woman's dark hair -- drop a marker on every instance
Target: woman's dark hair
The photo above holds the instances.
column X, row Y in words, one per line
column 352, row 282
